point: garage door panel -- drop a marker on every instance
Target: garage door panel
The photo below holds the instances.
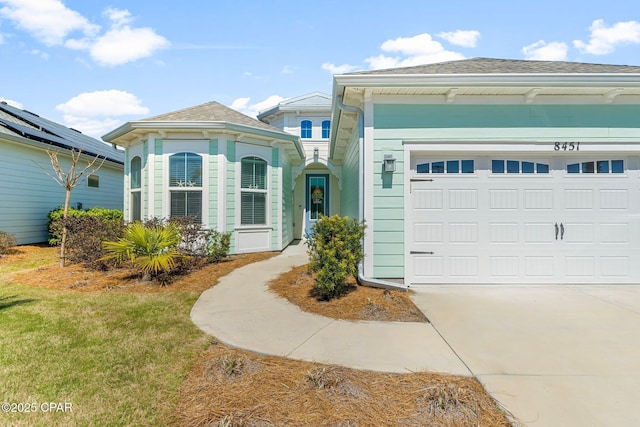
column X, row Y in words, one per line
column 580, row 266
column 463, row 266
column 463, row 199
column 504, row 232
column 427, row 199
column 614, row 199
column 538, row 199
column 578, row 232
column 614, row 233
column 430, row 232
column 539, row 266
column 578, row 198
column 504, row 266
column 614, row 266
column 503, row 199
column 463, row 232
column 539, row 232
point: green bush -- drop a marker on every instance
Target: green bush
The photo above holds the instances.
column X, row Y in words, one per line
column 217, row 245
column 85, row 235
column 335, row 249
column 55, row 219
column 7, row 241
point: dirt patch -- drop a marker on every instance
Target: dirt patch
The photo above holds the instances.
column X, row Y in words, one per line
column 273, row 391
column 78, row 278
column 359, row 303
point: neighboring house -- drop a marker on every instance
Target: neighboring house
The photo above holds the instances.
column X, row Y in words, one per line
column 505, row 171
column 230, row 171
column 27, row 194
column 471, row 171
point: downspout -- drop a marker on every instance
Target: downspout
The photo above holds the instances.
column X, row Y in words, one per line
column 367, row 281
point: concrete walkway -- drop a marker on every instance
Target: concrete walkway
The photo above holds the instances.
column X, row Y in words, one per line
column 552, row 355
column 241, row 312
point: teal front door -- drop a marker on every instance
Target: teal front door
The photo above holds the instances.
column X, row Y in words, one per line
column 317, row 199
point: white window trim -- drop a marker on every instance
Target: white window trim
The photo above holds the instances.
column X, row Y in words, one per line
column 199, row 147
column 264, row 153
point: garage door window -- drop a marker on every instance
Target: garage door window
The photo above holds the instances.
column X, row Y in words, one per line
column 447, row 166
column 518, row 167
column 597, row 167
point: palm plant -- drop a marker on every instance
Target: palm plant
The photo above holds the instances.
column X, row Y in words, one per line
column 153, row 249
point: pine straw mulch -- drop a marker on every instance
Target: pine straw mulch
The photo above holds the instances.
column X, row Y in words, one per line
column 78, row 278
column 358, row 303
column 230, row 387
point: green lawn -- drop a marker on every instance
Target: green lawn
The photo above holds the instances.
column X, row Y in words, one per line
column 117, row 359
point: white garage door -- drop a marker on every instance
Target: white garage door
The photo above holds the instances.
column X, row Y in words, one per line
column 507, row 219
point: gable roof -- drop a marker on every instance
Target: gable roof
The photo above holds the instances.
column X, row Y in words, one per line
column 507, row 66
column 315, row 101
column 25, row 124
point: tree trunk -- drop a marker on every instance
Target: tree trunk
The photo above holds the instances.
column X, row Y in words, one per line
column 65, row 214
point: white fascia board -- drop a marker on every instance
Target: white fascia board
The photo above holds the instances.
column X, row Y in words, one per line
column 537, row 79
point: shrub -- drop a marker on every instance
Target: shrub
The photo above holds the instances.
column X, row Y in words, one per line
column 335, row 249
column 153, row 249
column 217, row 245
column 7, row 241
column 55, row 219
column 85, row 235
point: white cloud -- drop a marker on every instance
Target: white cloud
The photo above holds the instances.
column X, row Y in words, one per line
column 122, row 45
column 11, row 102
column 94, row 113
column 605, row 39
column 339, row 69
column 288, row 69
column 242, row 105
column 543, row 51
column 41, row 54
column 464, row 38
column 53, row 23
column 50, row 21
column 416, row 50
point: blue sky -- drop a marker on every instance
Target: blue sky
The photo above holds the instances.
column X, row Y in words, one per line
column 94, row 65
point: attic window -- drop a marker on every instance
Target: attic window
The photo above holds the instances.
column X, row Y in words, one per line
column 93, row 181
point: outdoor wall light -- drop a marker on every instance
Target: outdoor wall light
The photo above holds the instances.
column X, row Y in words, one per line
column 389, row 163
column 316, row 154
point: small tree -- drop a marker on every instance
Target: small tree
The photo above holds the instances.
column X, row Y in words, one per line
column 69, row 179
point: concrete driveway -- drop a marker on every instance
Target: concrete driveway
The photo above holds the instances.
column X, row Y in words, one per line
column 552, row 355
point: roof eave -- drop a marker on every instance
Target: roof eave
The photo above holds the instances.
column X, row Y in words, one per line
column 502, row 79
column 128, row 127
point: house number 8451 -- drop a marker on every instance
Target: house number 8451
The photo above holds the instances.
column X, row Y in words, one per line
column 566, row 146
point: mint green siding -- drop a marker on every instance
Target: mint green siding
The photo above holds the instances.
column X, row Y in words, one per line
column 212, row 189
column 159, row 183
column 388, row 211
column 28, row 194
column 394, row 116
column 398, row 123
column 231, row 191
column 276, row 199
column 287, row 202
column 350, row 180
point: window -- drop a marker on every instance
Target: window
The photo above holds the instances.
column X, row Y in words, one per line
column 185, row 185
column 136, row 192
column 518, row 167
column 449, row 167
column 305, row 129
column 597, row 167
column 93, row 181
column 253, row 191
column 326, row 128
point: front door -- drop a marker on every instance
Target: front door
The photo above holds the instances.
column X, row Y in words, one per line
column 317, row 199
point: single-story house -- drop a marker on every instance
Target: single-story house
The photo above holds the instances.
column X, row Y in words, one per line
column 472, row 171
column 27, row 194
